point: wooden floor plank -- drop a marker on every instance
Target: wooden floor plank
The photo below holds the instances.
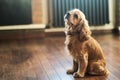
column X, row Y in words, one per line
column 38, row 68
column 52, row 74
column 40, row 71
column 56, row 63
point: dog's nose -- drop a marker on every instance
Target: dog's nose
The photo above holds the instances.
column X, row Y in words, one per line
column 67, row 15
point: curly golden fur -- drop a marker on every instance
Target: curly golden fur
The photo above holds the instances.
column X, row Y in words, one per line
column 85, row 50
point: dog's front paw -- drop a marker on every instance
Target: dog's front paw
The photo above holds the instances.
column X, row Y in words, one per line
column 70, row 71
column 77, row 75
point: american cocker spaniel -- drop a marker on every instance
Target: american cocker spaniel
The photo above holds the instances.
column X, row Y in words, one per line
column 85, row 50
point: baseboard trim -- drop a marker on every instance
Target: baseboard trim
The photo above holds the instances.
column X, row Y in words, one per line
column 38, row 32
column 23, row 27
column 95, row 30
column 22, row 31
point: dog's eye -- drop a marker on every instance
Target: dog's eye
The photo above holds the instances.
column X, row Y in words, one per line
column 75, row 16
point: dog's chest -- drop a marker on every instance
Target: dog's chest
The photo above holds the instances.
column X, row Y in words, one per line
column 74, row 46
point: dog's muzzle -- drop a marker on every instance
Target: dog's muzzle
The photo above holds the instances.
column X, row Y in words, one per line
column 67, row 16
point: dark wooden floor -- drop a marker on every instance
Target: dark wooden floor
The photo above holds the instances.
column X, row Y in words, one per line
column 48, row 59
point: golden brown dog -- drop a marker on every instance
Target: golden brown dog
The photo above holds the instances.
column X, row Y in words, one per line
column 86, row 52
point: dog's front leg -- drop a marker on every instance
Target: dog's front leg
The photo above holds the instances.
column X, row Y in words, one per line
column 74, row 68
column 82, row 66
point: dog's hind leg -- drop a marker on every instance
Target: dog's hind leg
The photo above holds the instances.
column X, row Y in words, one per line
column 74, row 68
column 97, row 68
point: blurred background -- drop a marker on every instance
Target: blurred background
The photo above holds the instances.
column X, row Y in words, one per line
column 47, row 15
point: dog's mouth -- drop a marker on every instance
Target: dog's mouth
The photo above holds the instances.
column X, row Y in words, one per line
column 70, row 29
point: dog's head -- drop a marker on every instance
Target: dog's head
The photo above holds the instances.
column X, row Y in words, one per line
column 76, row 23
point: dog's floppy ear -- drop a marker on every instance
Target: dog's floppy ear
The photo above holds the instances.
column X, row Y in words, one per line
column 84, row 31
